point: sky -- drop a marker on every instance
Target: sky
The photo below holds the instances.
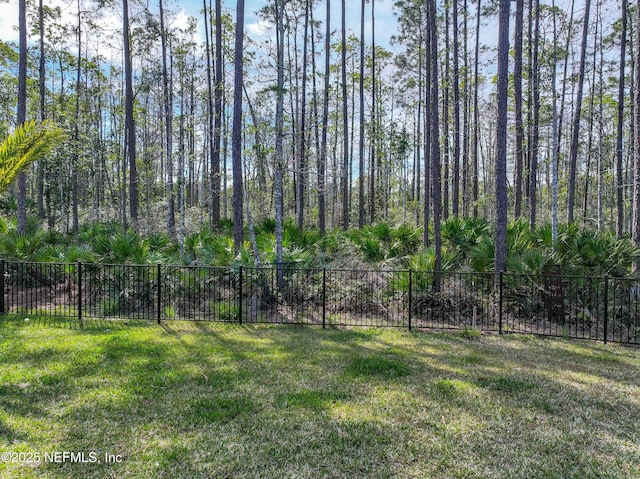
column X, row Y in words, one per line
column 386, row 21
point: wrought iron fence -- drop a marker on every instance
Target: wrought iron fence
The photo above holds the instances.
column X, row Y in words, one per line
column 598, row 308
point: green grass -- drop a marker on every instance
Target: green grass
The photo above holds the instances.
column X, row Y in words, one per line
column 205, row 400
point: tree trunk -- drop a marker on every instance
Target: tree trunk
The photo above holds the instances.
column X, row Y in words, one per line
column 374, row 124
column 41, row 88
column 517, row 90
column 345, row 125
column 533, row 160
column 465, row 112
column 303, row 125
column 500, row 259
column 555, row 139
column 167, row 99
column 573, row 160
column 130, row 125
column 316, row 119
column 322, row 158
column 636, row 140
column 418, row 141
column 181, row 148
column 214, row 216
column 600, row 121
column 620, row 124
column 22, row 108
column 427, row 132
column 456, row 114
column 361, row 136
column 476, row 113
column 236, row 141
column 445, row 113
column 435, row 143
column 279, row 5
column 76, row 130
column 214, row 169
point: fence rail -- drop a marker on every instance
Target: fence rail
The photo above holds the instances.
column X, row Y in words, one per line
column 597, row 308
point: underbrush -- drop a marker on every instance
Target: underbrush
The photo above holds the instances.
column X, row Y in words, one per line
column 467, row 245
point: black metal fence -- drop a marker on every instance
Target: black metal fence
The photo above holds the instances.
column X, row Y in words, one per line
column 598, row 308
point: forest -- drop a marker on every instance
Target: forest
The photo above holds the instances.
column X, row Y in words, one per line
column 307, row 137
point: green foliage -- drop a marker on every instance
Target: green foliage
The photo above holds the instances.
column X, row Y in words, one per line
column 481, row 256
column 596, row 252
column 28, row 143
column 370, row 249
column 462, row 235
column 308, row 238
column 382, row 242
column 217, row 251
column 333, row 241
column 226, row 311
column 467, row 245
column 469, row 333
column 126, row 247
column 34, row 244
column 422, row 265
column 267, row 225
column 19, row 246
column 529, row 261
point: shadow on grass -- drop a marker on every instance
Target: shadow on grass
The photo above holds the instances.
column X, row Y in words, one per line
column 202, row 400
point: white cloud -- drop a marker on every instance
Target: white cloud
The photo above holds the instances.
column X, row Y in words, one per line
column 260, row 28
column 9, row 22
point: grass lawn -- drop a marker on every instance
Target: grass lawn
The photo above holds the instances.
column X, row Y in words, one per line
column 208, row 400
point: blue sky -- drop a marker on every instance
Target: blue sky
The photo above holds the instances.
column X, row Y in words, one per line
column 385, row 19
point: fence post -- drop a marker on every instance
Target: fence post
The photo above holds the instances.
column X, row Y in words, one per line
column 159, row 314
column 1, row 286
column 240, row 297
column 324, row 297
column 410, row 296
column 500, row 292
column 606, row 307
column 80, row 292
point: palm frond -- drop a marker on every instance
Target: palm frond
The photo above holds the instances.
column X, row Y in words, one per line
column 31, row 141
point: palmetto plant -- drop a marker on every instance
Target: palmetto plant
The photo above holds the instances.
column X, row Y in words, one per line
column 28, row 143
column 597, row 253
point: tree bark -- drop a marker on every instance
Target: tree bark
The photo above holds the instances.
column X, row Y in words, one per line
column 620, row 124
column 361, row 135
column 435, row 144
column 555, row 139
column 456, row 114
column 303, row 125
column 500, row 259
column 214, row 217
column 279, row 5
column 236, row 141
column 214, row 169
column 22, row 108
column 130, row 125
column 517, row 90
column 322, row 159
column 427, row 131
column 573, row 160
column 374, row 124
column 76, row 130
column 167, row 99
column 476, row 113
column 535, row 136
column 636, row 140
column 345, row 125
column 41, row 88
